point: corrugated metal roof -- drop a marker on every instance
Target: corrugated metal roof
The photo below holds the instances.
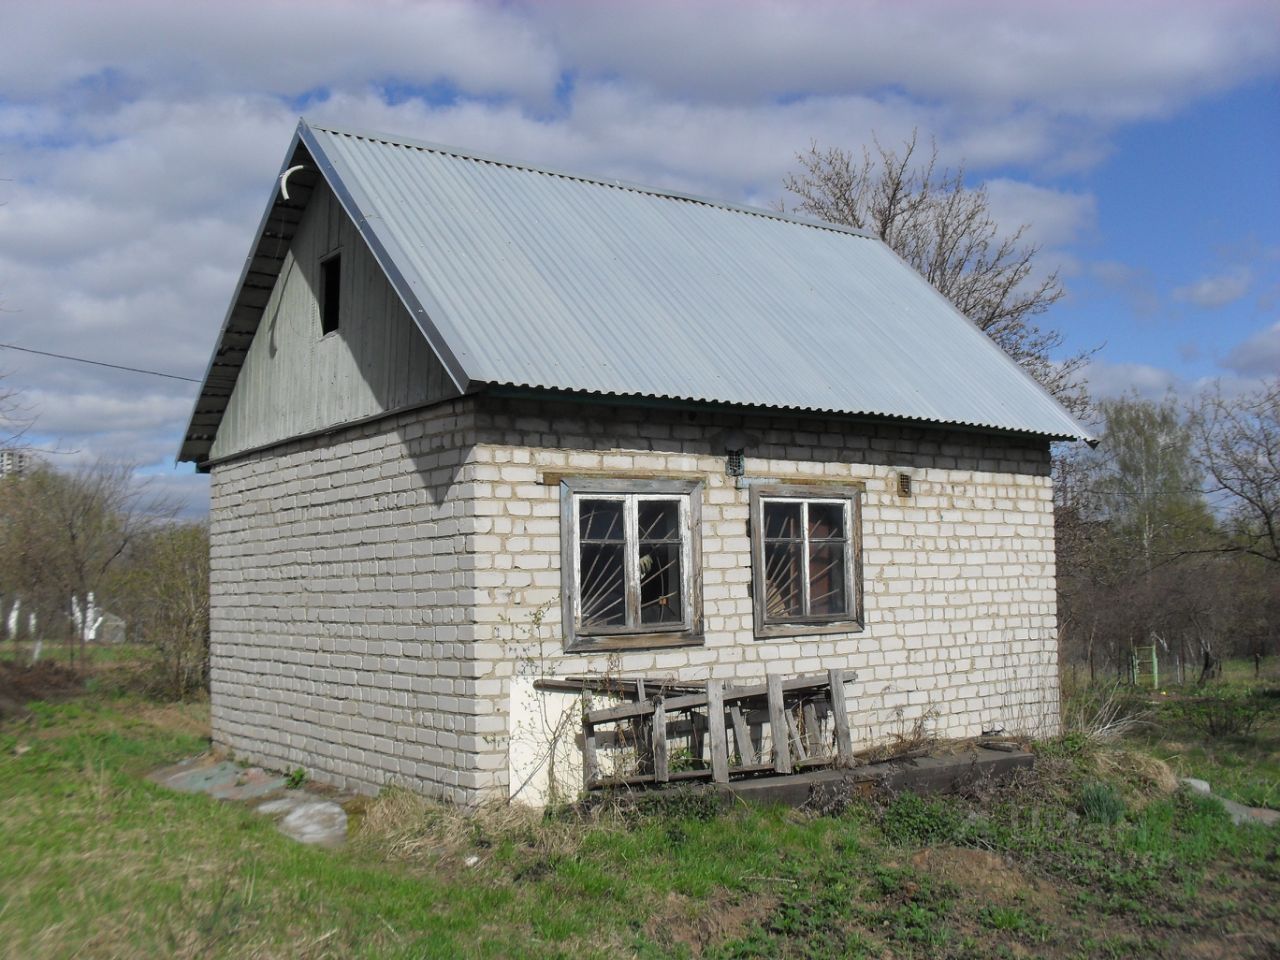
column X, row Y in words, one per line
column 527, row 277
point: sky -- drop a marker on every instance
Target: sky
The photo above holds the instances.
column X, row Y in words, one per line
column 139, row 143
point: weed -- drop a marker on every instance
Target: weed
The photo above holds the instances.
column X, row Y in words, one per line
column 911, row 820
column 1014, row 920
column 1100, row 803
column 295, row 778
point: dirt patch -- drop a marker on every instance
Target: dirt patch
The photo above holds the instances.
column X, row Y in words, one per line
column 22, row 683
column 697, row 924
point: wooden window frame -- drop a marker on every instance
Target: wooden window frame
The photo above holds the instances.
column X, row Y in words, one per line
column 851, row 621
column 687, row 633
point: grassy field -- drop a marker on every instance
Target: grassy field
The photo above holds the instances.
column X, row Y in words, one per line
column 1090, row 856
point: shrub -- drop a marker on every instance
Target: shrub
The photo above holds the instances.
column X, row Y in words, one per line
column 1228, row 713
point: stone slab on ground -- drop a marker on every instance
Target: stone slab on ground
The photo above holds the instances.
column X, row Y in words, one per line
column 1238, row 812
column 318, row 822
column 303, row 815
column 221, row 779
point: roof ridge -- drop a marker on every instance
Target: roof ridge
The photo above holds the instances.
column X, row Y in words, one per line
column 616, row 184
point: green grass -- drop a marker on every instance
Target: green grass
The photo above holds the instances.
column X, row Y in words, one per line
column 1244, row 767
column 98, row 861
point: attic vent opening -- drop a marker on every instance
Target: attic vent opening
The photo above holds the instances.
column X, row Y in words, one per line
column 904, row 485
column 330, row 293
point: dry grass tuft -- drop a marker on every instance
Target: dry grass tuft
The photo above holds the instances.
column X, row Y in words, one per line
column 1144, row 775
column 1102, row 713
column 404, row 826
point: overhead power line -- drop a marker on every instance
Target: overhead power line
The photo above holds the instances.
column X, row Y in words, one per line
column 97, row 363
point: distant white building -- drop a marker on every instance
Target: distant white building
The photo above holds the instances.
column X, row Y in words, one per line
column 15, row 462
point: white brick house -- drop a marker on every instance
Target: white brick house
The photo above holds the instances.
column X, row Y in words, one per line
column 470, row 423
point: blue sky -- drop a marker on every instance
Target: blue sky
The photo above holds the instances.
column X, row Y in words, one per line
column 138, row 141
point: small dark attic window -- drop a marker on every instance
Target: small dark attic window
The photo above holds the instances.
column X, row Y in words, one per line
column 330, row 293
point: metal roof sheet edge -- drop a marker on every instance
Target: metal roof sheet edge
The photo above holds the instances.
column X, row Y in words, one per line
column 662, row 192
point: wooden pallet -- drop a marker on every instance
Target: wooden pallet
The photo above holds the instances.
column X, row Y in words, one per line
column 789, row 708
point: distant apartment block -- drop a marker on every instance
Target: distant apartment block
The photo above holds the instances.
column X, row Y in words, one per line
column 14, row 462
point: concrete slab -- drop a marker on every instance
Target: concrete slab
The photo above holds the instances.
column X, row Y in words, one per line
column 318, row 822
column 223, row 779
column 1238, row 812
column 921, row 775
column 304, row 816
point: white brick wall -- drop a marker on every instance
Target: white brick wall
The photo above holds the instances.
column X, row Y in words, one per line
column 959, row 579
column 374, row 589
column 340, row 580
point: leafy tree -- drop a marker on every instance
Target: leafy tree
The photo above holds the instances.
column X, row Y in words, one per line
column 1130, row 517
column 943, row 228
column 1147, row 481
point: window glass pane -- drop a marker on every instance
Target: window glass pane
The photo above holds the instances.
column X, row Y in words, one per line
column 658, row 520
column 826, row 521
column 826, row 579
column 604, row 593
column 660, row 600
column 600, row 520
column 782, row 521
column 783, row 580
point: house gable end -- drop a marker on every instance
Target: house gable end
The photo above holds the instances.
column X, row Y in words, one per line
column 294, row 378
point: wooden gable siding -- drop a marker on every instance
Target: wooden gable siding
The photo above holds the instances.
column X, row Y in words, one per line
column 294, row 381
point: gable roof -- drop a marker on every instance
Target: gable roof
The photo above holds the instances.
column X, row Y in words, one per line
column 524, row 277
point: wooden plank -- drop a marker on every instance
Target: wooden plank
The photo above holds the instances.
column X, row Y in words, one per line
column 844, row 743
column 793, row 730
column 813, row 742
column 719, row 740
column 742, row 736
column 778, row 725
column 661, row 771
column 627, row 711
column 644, row 739
column 590, row 765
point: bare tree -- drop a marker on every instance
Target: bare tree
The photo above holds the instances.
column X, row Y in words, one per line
column 61, row 534
column 166, row 591
column 1238, row 447
column 944, row 229
column 15, row 417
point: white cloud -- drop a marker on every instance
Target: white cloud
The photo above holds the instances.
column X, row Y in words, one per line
column 1108, row 381
column 279, row 48
column 1053, row 217
column 138, row 139
column 1257, row 356
column 1217, row 290
column 1120, row 60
